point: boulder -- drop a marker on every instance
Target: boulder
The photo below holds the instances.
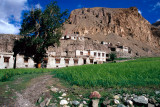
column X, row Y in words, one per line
column 116, row 101
column 84, row 102
column 150, row 105
column 60, row 97
column 116, row 97
column 152, row 100
column 121, row 105
column 39, row 100
column 63, row 102
column 75, row 103
column 53, row 89
column 64, row 94
column 47, row 103
column 43, row 103
column 81, row 105
column 141, row 100
column 157, row 92
column 129, row 102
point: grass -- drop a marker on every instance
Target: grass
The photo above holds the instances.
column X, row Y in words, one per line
column 6, row 74
column 17, row 83
column 139, row 72
column 140, row 76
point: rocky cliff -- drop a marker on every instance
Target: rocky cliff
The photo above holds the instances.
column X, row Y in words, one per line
column 7, row 42
column 126, row 24
column 156, row 29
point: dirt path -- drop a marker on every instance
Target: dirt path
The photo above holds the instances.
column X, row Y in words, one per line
column 37, row 86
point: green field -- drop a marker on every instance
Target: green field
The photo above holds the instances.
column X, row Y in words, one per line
column 6, row 74
column 139, row 72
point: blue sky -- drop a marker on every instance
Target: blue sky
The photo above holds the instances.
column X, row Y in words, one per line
column 11, row 10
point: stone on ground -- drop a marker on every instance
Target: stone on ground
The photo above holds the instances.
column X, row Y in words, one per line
column 63, row 102
column 75, row 103
column 141, row 100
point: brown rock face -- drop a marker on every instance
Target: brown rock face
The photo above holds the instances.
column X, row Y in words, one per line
column 7, row 42
column 98, row 23
column 156, row 29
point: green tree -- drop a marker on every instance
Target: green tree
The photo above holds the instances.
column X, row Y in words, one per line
column 113, row 56
column 40, row 29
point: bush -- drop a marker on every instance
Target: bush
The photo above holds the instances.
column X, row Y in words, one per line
column 113, row 56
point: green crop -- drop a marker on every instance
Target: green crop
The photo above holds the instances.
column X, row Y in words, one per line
column 6, row 74
column 139, row 72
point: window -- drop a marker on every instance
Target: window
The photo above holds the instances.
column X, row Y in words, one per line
column 57, row 61
column 95, row 53
column 113, row 49
column 25, row 60
column 107, row 55
column 103, row 54
column 91, row 61
column 99, row 54
column 6, row 59
column 81, row 53
column 84, row 61
column 66, row 61
column 75, row 61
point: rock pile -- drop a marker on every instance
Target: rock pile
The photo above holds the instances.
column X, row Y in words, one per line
column 61, row 98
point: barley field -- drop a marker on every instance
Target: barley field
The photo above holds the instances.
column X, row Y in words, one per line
column 6, row 74
column 139, row 72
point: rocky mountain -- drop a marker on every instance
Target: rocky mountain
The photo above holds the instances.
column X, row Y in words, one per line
column 157, row 24
column 156, row 29
column 115, row 25
column 124, row 25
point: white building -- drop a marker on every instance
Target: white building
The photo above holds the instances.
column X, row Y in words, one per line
column 6, row 60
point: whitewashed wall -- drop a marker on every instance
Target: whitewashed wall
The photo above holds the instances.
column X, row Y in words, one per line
column 9, row 64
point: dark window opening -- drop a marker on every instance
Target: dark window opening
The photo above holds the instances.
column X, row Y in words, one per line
column 6, row 59
column 84, row 61
column 103, row 54
column 57, row 61
column 91, row 61
column 75, row 61
column 113, row 49
column 99, row 54
column 95, row 53
column 67, row 61
column 107, row 55
column 26, row 60
column 81, row 53
column 120, row 47
column 95, row 62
